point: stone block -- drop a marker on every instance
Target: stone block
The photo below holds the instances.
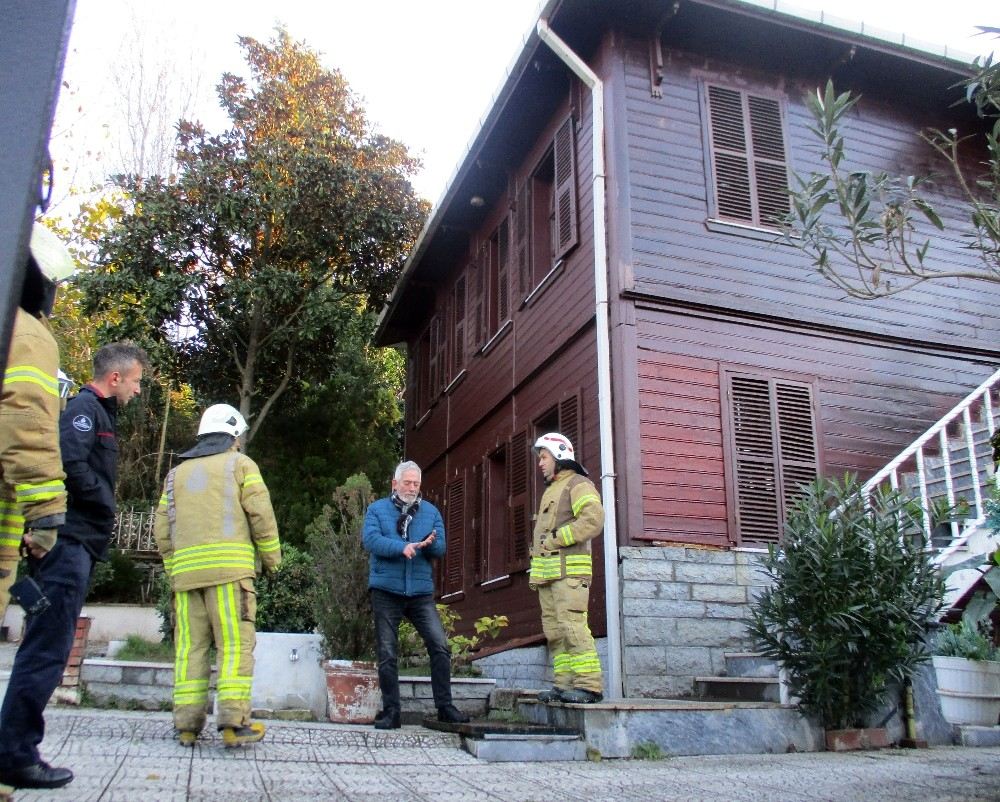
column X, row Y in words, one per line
column 709, row 556
column 138, row 675
column 642, row 631
column 99, row 671
column 642, row 552
column 712, row 632
column 732, row 594
column 647, row 570
column 662, row 608
column 660, row 686
column 705, row 574
column 645, row 660
column 689, row 660
column 735, row 612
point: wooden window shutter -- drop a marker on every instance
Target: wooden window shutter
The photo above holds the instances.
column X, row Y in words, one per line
column 522, row 238
column 458, row 328
column 442, row 354
column 503, row 272
column 798, row 452
column 564, row 156
column 412, row 368
column 775, row 452
column 454, row 560
column 518, row 465
column 476, row 516
column 729, row 156
column 769, row 162
column 569, row 422
column 757, row 505
column 433, row 362
column 478, row 309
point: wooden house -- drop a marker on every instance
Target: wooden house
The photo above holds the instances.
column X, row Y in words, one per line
column 606, row 262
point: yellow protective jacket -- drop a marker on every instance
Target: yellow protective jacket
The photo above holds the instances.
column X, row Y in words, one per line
column 570, row 515
column 215, row 521
column 31, row 473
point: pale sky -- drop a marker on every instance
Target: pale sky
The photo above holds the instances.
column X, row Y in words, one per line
column 426, row 68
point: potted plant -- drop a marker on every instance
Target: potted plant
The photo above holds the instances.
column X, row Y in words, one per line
column 853, row 595
column 342, row 606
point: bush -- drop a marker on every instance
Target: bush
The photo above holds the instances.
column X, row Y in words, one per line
column 412, row 651
column 285, row 598
column 342, row 606
column 968, row 640
column 119, row 580
column 853, row 595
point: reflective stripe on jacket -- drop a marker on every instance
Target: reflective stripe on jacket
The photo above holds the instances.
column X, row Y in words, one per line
column 31, row 473
column 570, row 515
column 214, row 522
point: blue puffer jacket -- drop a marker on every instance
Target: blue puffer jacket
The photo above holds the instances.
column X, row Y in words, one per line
column 388, row 569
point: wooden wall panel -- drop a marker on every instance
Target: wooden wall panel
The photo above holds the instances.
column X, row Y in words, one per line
column 873, row 402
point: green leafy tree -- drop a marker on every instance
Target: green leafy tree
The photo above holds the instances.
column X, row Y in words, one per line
column 871, row 234
column 270, row 240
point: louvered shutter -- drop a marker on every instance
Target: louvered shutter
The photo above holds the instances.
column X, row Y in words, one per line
column 433, row 361
column 522, row 239
column 442, row 354
column 503, row 272
column 518, row 464
column 769, row 162
column 477, row 323
column 775, row 451
column 569, row 423
column 748, row 156
column 565, row 227
column 412, row 369
column 458, row 329
column 476, row 516
column 454, row 561
column 757, row 505
column 798, row 452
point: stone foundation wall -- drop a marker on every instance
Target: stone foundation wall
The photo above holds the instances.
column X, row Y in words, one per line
column 683, row 608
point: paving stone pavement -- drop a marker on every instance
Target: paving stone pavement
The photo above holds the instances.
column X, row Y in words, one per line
column 128, row 757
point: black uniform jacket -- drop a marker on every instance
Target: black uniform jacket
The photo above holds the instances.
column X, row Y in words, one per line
column 89, row 441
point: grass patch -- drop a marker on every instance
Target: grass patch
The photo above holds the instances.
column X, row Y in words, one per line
column 648, row 750
column 139, row 649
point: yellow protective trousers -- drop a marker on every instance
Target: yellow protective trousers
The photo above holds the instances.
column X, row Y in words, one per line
column 564, row 621
column 223, row 614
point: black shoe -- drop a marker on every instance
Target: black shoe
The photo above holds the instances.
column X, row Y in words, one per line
column 452, row 715
column 550, row 695
column 387, row 720
column 578, row 696
column 40, row 775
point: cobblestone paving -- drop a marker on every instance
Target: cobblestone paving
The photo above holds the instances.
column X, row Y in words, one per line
column 132, row 757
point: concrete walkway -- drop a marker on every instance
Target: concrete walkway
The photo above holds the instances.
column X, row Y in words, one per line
column 132, row 756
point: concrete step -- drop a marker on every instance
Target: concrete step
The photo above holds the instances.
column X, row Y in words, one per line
column 505, row 741
column 738, row 689
column 749, row 664
column 681, row 726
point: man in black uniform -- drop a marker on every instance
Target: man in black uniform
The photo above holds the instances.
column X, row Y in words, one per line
column 87, row 437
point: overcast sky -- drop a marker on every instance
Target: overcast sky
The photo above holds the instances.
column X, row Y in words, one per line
column 426, row 68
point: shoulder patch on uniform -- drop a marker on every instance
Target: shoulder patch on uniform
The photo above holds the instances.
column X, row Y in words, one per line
column 82, row 423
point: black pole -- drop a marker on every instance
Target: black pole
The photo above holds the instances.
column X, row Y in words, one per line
column 33, row 37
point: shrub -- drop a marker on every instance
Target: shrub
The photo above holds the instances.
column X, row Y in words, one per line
column 413, row 653
column 853, row 594
column 285, row 598
column 119, row 580
column 967, row 639
column 341, row 604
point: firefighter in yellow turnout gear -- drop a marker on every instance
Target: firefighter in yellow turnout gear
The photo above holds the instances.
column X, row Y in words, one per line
column 570, row 515
column 213, row 524
column 32, row 492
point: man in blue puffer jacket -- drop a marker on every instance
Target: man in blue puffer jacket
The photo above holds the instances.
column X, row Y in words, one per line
column 403, row 533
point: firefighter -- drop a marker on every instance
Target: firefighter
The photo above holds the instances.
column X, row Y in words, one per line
column 214, row 524
column 570, row 515
column 32, row 493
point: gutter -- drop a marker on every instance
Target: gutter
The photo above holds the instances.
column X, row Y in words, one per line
column 611, row 578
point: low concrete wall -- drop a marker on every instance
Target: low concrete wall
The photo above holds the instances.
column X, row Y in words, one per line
column 109, row 621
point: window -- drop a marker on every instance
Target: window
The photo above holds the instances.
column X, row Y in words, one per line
column 518, row 466
column 429, row 369
column 458, row 326
column 772, row 448
column 493, row 533
column 489, row 286
column 545, row 211
column 749, row 163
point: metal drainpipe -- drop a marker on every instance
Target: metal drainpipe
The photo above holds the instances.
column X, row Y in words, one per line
column 611, row 578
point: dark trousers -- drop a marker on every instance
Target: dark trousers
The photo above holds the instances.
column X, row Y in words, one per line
column 63, row 575
column 389, row 610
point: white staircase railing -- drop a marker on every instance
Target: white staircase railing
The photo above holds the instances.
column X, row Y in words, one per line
column 980, row 468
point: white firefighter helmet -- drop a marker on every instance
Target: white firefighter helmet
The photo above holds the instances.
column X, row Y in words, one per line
column 557, row 445
column 50, row 254
column 223, row 419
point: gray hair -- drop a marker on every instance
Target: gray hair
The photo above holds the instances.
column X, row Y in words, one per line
column 403, row 467
column 118, row 356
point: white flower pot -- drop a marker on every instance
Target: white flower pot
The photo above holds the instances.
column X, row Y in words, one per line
column 969, row 690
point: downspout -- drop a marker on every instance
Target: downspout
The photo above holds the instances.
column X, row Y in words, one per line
column 611, row 578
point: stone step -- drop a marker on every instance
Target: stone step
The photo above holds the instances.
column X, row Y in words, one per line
column 505, row 742
column 738, row 689
column 749, row 664
column 681, row 726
